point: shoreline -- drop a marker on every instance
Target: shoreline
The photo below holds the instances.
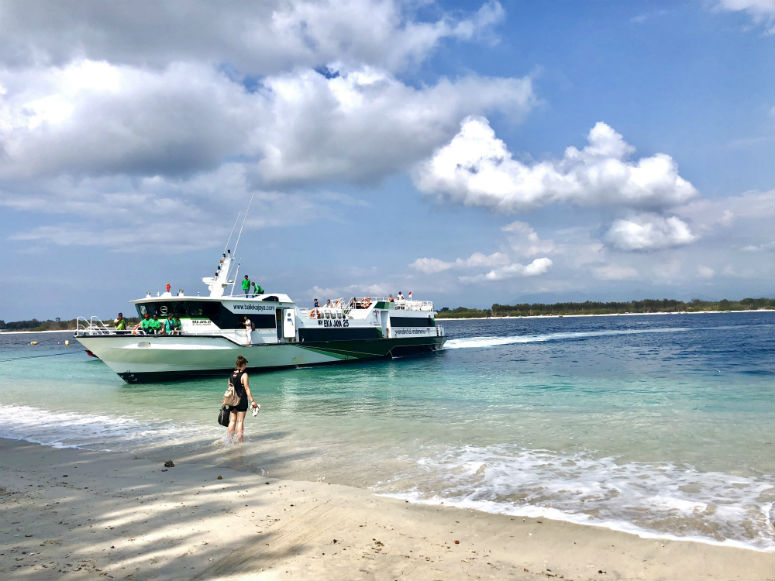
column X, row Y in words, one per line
column 505, row 317
column 601, row 315
column 124, row 516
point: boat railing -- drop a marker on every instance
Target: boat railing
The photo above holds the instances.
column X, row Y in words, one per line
column 338, row 311
column 92, row 326
column 340, row 306
column 413, row 305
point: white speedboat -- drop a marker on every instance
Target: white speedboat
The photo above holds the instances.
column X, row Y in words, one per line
column 279, row 334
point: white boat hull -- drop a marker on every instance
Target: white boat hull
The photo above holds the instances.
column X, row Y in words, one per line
column 152, row 358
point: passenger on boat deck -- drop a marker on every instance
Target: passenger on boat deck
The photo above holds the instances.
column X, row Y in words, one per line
column 172, row 326
column 316, row 304
column 145, row 324
column 246, row 286
column 248, row 324
column 390, row 298
column 329, row 304
column 400, row 296
column 353, row 303
column 120, row 322
column 155, row 325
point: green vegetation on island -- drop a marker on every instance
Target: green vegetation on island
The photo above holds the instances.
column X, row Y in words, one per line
column 611, row 308
column 523, row 310
column 34, row 325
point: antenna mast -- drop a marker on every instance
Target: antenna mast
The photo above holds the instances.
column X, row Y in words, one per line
column 242, row 226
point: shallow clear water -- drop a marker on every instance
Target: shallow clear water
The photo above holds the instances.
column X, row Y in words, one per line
column 661, row 425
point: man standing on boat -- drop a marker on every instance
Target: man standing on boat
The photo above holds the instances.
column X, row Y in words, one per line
column 248, row 324
column 246, row 286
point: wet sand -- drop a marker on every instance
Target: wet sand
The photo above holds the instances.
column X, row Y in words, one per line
column 76, row 514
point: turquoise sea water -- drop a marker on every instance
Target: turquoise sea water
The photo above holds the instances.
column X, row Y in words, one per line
column 662, row 425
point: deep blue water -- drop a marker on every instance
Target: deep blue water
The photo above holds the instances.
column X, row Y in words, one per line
column 662, row 425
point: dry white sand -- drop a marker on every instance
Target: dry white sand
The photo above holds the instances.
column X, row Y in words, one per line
column 73, row 514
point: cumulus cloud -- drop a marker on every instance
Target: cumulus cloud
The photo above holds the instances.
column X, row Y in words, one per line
column 711, row 216
column 92, row 118
column 257, row 38
column 615, row 272
column 476, row 260
column 705, row 271
column 501, row 265
column 537, row 267
column 431, row 265
column 477, row 169
column 363, row 124
column 648, row 232
column 96, row 118
column 524, row 241
column 761, row 12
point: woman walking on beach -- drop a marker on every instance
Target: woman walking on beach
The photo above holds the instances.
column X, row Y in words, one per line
column 239, row 379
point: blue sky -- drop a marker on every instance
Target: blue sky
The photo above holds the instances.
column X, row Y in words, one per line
column 473, row 153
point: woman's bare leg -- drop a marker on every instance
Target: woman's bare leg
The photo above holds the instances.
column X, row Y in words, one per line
column 240, row 425
column 232, row 425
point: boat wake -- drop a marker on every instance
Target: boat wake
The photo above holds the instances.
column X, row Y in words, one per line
column 481, row 342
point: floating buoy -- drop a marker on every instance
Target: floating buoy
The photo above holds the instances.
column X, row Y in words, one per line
column 33, row 342
column 67, row 342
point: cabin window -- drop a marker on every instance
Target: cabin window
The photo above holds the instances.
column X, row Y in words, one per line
column 211, row 310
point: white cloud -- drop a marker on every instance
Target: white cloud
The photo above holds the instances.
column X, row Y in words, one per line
column 476, row 260
column 538, row 267
column 648, row 232
column 431, row 265
column 761, row 12
column 705, row 271
column 93, row 118
column 256, row 38
column 711, row 216
column 365, row 123
column 96, row 118
column 477, row 169
column 524, row 241
column 501, row 265
column 615, row 272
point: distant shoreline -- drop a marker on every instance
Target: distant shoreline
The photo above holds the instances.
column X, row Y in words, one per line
column 600, row 315
column 36, row 332
column 503, row 317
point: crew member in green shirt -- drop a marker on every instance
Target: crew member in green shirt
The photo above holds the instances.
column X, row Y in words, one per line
column 246, row 286
column 155, row 325
column 120, row 322
column 172, row 326
column 145, row 324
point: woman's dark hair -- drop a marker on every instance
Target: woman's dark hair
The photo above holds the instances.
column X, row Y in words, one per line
column 241, row 361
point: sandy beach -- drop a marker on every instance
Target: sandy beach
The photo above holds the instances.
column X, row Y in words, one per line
column 76, row 514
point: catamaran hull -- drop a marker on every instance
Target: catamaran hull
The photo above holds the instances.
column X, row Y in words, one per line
column 146, row 359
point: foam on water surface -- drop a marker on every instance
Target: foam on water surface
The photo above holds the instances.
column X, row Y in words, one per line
column 662, row 426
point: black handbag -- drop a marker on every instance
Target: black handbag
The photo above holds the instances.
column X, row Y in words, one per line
column 223, row 415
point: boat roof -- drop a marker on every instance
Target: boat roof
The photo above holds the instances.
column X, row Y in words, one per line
column 169, row 297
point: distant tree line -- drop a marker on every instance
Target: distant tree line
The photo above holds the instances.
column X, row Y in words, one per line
column 610, row 308
column 523, row 310
column 49, row 325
